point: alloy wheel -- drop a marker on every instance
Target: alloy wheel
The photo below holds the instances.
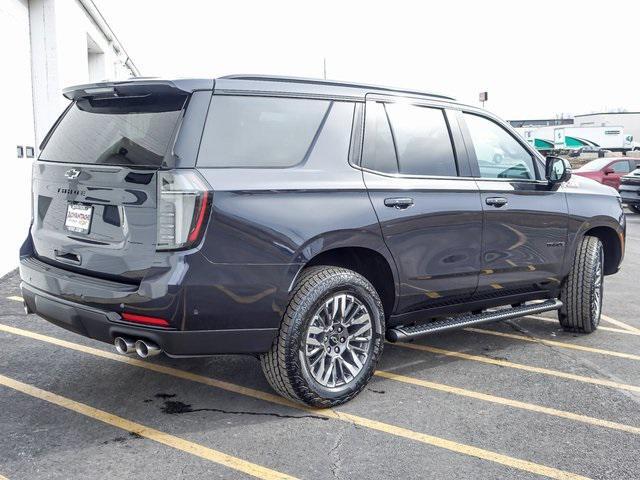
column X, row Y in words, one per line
column 338, row 340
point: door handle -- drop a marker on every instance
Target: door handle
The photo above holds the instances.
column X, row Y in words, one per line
column 496, row 201
column 399, row 202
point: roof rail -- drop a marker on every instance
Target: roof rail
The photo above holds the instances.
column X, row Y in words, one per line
column 332, row 83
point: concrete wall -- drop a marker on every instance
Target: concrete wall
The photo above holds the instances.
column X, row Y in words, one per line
column 46, row 45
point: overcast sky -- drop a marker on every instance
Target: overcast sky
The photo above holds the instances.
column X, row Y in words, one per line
column 536, row 59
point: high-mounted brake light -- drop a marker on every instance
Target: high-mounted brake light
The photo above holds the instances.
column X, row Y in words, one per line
column 98, row 90
column 183, row 207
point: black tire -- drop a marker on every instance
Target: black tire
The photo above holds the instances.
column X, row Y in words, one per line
column 286, row 364
column 635, row 208
column 581, row 292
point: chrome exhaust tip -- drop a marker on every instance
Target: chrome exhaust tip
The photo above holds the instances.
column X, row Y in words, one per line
column 27, row 310
column 145, row 348
column 125, row 346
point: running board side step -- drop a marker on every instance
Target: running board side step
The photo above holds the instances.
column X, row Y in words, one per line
column 404, row 334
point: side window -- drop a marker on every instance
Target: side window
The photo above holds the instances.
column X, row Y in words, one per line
column 422, row 140
column 499, row 155
column 621, row 167
column 260, row 131
column 378, row 152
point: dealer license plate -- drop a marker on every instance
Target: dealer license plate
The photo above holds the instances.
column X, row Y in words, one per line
column 78, row 218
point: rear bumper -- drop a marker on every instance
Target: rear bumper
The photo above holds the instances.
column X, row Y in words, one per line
column 41, row 289
column 630, row 194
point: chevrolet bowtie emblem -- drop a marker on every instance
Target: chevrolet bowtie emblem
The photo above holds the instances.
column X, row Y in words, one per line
column 72, row 173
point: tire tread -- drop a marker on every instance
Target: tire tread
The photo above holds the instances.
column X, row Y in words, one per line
column 283, row 376
column 577, row 289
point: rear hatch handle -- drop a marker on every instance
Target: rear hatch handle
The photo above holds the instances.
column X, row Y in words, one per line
column 68, row 257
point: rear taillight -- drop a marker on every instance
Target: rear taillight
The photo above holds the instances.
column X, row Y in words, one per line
column 183, row 207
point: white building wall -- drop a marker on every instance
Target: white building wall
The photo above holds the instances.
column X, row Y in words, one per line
column 16, row 128
column 44, row 65
column 630, row 121
column 47, row 45
column 62, row 36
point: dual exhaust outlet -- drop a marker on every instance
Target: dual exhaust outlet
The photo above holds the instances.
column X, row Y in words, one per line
column 144, row 348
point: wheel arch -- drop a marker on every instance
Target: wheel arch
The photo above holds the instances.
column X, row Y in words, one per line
column 370, row 263
column 612, row 244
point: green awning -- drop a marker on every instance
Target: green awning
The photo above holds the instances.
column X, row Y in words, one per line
column 541, row 144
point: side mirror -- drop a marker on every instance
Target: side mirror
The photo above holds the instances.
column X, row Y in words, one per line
column 557, row 170
column 608, row 171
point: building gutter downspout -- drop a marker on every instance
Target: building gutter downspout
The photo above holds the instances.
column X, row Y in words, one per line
column 103, row 26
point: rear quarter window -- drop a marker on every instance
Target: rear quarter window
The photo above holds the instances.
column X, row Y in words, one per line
column 260, row 132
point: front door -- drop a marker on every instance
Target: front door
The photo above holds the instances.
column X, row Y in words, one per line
column 525, row 222
column 431, row 218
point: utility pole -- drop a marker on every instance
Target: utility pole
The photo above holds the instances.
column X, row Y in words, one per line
column 324, row 67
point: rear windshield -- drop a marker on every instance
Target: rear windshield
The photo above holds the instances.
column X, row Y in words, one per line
column 115, row 131
column 257, row 132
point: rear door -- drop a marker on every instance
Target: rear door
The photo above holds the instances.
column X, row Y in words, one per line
column 95, row 184
column 525, row 222
column 430, row 214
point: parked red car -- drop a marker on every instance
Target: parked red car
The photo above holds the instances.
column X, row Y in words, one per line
column 608, row 170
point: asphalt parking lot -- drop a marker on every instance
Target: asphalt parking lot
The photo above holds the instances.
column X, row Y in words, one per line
column 521, row 399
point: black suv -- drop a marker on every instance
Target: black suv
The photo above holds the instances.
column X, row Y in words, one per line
column 303, row 221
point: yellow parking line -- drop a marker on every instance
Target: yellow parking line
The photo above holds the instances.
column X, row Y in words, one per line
column 519, row 366
column 606, row 329
column 144, row 431
column 620, row 324
column 460, row 448
column 571, row 346
column 15, row 298
column 509, row 402
column 456, row 447
column 3, row 478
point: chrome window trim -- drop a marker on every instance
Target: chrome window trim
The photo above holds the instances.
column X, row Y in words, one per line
column 442, row 177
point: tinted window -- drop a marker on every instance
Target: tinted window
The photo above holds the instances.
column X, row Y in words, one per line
column 378, row 153
column 621, row 167
column 422, row 140
column 260, row 131
column 120, row 131
column 499, row 154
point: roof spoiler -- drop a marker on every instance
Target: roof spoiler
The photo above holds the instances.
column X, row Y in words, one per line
column 136, row 87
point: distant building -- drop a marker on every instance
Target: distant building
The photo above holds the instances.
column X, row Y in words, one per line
column 46, row 46
column 541, row 122
column 630, row 121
